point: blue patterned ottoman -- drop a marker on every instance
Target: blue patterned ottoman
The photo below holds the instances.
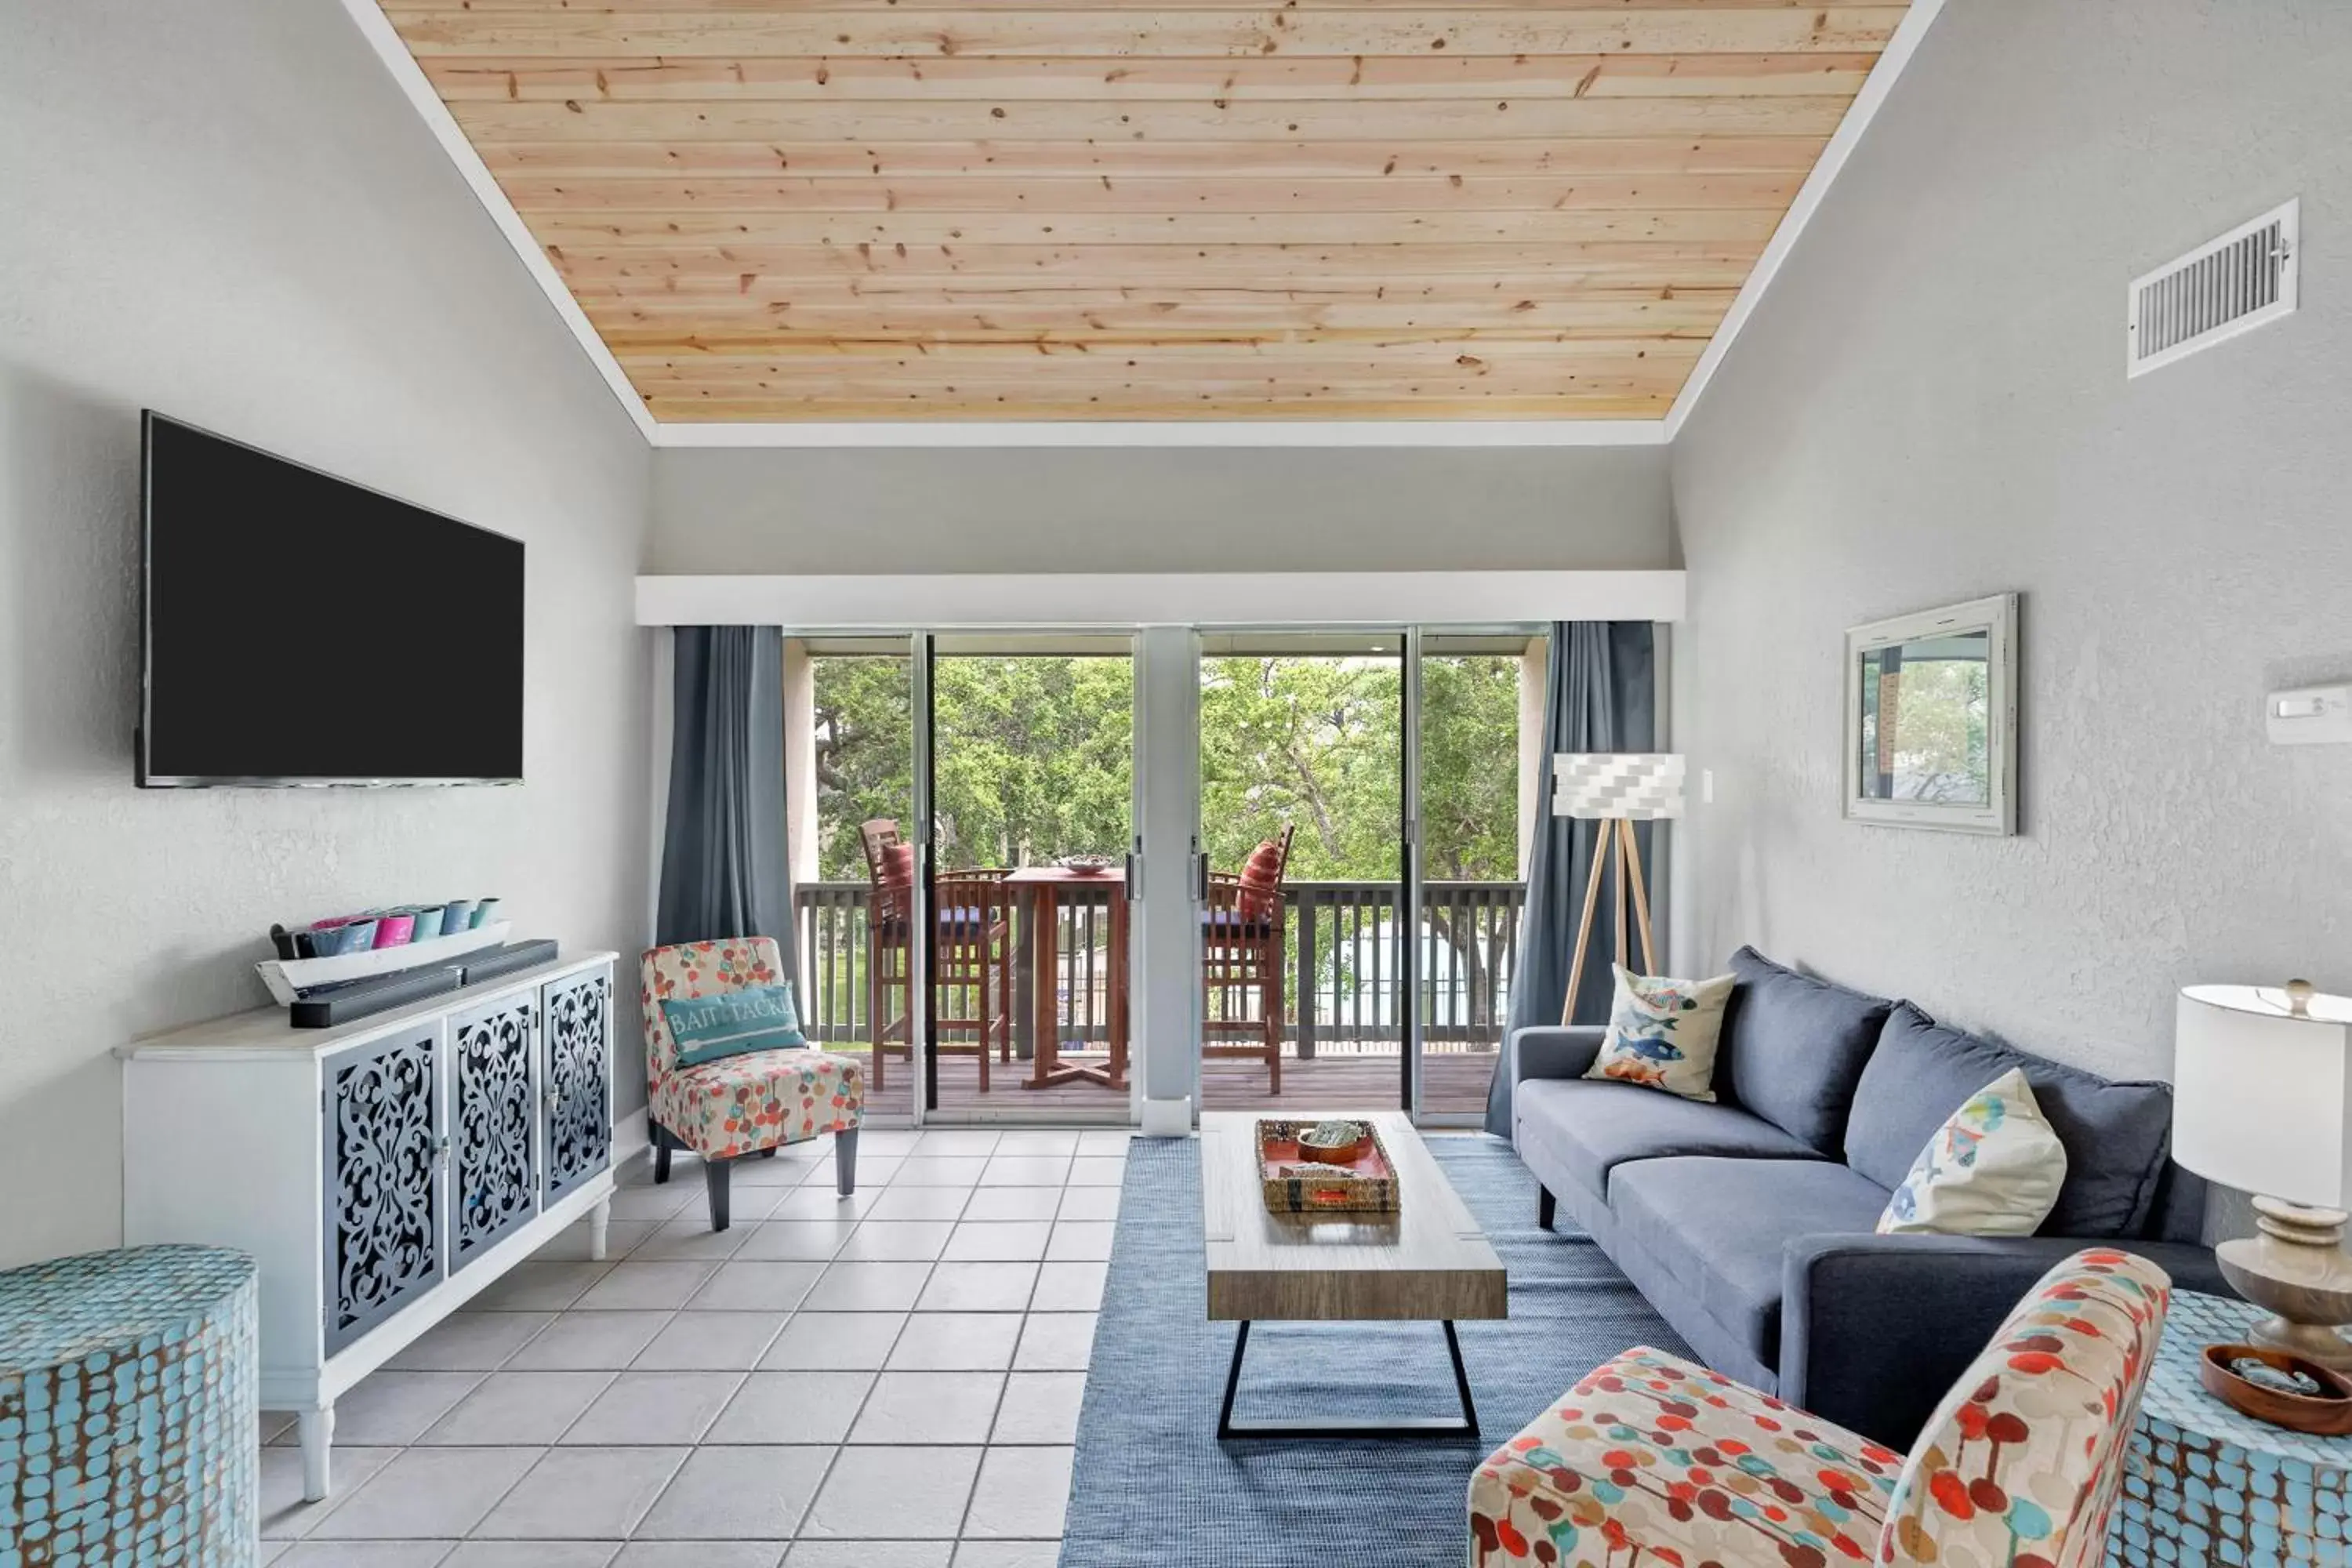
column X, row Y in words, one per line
column 128, row 1386
column 2203, row 1484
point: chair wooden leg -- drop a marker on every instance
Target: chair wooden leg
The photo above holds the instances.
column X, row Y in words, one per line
column 714, row 1179
column 1005, row 994
column 844, row 1162
column 1270, row 999
column 1546, row 1205
column 874, row 1014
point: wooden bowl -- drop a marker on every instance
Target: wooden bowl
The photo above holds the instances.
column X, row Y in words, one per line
column 1332, row 1153
column 2327, row 1414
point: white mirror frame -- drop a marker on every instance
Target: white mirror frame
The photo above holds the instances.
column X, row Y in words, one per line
column 1997, row 616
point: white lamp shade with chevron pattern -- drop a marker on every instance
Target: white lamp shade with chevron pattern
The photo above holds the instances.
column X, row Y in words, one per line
column 1631, row 786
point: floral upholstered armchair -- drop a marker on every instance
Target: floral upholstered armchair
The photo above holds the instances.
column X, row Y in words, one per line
column 740, row 1105
column 1652, row 1459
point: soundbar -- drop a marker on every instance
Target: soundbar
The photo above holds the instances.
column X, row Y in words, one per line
column 362, row 998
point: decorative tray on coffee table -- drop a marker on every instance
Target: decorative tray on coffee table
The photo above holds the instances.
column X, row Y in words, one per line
column 1298, row 1179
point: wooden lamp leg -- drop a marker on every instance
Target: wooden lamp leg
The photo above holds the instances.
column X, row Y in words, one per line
column 1633, row 861
column 1583, row 934
column 1614, row 831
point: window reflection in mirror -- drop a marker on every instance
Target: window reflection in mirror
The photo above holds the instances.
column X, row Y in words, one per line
column 1925, row 720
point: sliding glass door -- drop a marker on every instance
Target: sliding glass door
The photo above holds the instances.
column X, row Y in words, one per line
column 962, row 810
column 849, row 734
column 1032, row 785
column 1480, row 717
column 1303, row 965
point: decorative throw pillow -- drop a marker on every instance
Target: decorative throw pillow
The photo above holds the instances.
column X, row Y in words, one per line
column 1993, row 1169
column 1262, row 881
column 1663, row 1032
column 756, row 1018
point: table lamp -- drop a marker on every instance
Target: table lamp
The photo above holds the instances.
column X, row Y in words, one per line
column 1615, row 789
column 2263, row 1101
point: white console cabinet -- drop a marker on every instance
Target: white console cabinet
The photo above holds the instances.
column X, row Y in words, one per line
column 382, row 1171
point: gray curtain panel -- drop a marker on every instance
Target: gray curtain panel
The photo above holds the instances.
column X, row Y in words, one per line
column 724, row 870
column 1600, row 695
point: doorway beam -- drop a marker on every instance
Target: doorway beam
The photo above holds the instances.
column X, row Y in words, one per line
column 1077, row 600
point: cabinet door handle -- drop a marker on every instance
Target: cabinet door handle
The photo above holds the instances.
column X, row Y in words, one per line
column 441, row 1150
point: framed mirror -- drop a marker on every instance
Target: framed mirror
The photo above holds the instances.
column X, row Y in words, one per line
column 1931, row 719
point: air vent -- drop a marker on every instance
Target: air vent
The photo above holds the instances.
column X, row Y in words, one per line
column 2228, row 286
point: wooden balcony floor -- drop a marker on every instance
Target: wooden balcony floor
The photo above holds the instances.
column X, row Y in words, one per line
column 1454, row 1084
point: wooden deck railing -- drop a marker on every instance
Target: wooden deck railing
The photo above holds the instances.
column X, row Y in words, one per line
column 1346, row 959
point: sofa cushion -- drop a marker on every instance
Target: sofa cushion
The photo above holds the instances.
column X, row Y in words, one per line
column 1591, row 1127
column 1719, row 1227
column 1794, row 1049
column 2115, row 1134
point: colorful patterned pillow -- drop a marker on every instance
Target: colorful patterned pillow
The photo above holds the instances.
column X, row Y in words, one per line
column 733, row 1023
column 1663, row 1032
column 1993, row 1169
column 1262, row 881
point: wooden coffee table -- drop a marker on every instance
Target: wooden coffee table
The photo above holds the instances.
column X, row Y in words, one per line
column 1427, row 1262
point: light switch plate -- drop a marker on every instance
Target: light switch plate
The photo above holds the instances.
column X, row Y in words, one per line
column 2309, row 715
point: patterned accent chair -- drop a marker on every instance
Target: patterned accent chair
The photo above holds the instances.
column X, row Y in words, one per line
column 1652, row 1459
column 750, row 1104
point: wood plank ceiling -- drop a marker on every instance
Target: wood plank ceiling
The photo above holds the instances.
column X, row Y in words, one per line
column 777, row 210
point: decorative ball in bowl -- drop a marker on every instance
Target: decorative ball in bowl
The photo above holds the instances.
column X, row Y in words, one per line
column 1092, row 864
column 2275, row 1386
column 1332, row 1142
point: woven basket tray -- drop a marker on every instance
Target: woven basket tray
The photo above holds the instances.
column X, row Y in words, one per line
column 1295, row 1184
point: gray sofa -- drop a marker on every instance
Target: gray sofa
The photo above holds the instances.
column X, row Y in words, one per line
column 1749, row 1223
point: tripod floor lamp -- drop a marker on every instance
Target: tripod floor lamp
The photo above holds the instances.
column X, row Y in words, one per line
column 1616, row 789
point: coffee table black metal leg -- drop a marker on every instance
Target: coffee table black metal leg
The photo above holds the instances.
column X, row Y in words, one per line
column 1423, row 1427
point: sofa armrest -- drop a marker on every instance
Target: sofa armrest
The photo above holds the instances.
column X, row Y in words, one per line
column 1551, row 1051
column 1875, row 1329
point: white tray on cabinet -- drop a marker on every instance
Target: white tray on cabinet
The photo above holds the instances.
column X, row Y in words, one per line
column 289, row 978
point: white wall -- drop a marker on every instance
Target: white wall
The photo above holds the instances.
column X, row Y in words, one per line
column 1157, row 510
column 1931, row 406
column 226, row 212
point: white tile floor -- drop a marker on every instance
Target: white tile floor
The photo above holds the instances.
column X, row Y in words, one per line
column 889, row 1381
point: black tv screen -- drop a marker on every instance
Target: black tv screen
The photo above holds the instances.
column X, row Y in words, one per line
column 299, row 629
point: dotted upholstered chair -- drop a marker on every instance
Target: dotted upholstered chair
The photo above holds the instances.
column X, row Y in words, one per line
column 1652, row 1459
column 750, row 1104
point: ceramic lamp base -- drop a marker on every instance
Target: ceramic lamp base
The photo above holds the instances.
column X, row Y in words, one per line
column 2296, row 1267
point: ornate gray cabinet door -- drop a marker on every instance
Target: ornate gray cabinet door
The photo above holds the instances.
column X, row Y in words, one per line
column 382, row 1132
column 577, row 1013
column 493, row 1118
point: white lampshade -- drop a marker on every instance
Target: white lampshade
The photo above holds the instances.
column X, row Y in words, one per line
column 1639, row 786
column 2263, row 1094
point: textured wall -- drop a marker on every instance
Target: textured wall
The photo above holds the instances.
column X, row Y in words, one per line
column 1157, row 510
column 1931, row 406
column 228, row 211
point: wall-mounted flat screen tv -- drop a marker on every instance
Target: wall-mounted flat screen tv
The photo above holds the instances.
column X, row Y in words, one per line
column 300, row 629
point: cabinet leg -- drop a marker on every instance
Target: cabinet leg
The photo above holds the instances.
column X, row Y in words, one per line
column 844, row 1156
column 317, row 1430
column 600, row 1220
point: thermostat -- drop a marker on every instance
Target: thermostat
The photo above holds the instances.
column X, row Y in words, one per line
column 2310, row 715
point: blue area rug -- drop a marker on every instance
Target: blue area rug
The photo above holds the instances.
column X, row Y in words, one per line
column 1154, row 1487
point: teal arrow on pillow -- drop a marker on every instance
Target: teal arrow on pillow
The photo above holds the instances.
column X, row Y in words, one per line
column 756, row 1018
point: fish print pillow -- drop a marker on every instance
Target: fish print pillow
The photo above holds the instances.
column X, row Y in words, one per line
column 1663, row 1032
column 1993, row 1169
